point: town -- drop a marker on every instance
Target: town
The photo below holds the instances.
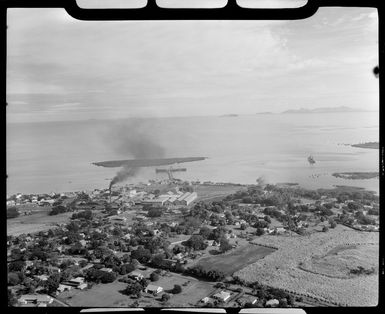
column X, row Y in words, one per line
column 188, row 244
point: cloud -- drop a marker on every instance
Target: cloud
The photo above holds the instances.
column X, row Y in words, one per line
column 162, row 68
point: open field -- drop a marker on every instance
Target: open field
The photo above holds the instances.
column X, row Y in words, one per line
column 101, row 295
column 38, row 221
column 339, row 261
column 208, row 192
column 108, row 295
column 281, row 268
column 235, row 259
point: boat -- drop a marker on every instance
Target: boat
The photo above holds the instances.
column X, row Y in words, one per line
column 311, row 160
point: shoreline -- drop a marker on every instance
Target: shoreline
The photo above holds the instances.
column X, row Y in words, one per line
column 356, row 175
column 369, row 145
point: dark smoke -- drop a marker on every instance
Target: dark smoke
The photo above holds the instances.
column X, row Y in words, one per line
column 123, row 174
column 134, row 138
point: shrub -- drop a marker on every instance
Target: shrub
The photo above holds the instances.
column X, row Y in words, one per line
column 12, row 212
column 154, row 277
column 165, row 297
column 177, row 289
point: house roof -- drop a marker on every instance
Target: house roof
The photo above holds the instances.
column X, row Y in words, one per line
column 37, row 297
column 272, row 302
column 222, row 295
column 153, row 287
column 135, row 273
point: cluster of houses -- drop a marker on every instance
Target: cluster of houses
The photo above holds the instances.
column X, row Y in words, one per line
column 21, row 199
column 224, row 296
column 40, row 300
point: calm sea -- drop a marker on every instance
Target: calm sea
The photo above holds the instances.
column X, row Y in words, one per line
column 46, row 157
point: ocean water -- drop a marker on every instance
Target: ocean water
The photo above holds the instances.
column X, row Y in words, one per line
column 57, row 156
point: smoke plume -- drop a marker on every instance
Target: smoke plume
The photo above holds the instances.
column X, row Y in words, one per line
column 261, row 181
column 122, row 175
column 134, row 138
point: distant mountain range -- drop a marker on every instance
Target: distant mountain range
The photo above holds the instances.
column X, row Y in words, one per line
column 323, row 110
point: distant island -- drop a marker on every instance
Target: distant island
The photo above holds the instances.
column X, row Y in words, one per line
column 372, row 145
column 323, row 110
column 229, row 115
column 146, row 162
column 356, row 175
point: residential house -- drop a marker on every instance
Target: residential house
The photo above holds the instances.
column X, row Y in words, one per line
column 35, row 299
column 279, row 230
column 223, row 296
column 42, row 277
column 106, row 269
column 75, row 282
column 206, row 300
column 63, row 287
column 242, row 301
column 83, row 243
column 136, row 275
column 272, row 303
column 210, row 242
column 153, row 289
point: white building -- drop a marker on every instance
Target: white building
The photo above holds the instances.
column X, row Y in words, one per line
column 153, row 289
column 223, row 296
column 272, row 303
column 35, row 299
column 187, row 198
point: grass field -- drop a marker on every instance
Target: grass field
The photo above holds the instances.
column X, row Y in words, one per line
column 281, row 268
column 210, row 192
column 101, row 295
column 236, row 259
column 339, row 261
column 108, row 295
column 38, row 221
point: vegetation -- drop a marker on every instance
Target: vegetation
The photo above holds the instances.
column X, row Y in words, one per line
column 177, row 289
column 12, row 212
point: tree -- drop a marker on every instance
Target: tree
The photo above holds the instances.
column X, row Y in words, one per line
column 51, row 284
column 154, row 276
column 155, row 212
column 11, row 298
column 12, row 212
column 165, row 297
column 13, row 279
column 225, row 245
column 107, row 277
column 141, row 254
column 177, row 289
column 196, row 242
column 58, row 210
column 157, row 260
column 134, row 288
column 16, row 266
column 259, row 232
column 205, row 232
column 243, row 226
column 325, row 229
column 126, row 268
column 267, row 219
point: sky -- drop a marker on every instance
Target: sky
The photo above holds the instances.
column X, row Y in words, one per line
column 59, row 68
